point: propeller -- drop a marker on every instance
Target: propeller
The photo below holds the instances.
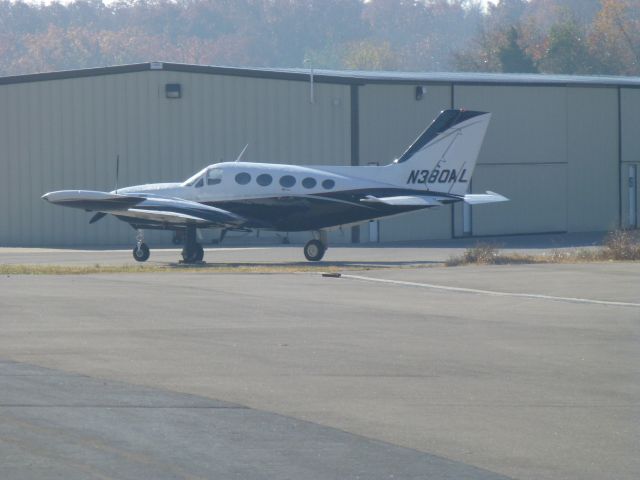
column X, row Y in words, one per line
column 100, row 215
column 97, row 217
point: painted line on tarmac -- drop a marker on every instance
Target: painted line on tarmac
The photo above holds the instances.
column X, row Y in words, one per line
column 493, row 292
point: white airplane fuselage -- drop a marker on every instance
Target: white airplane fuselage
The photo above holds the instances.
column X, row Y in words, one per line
column 337, row 186
column 435, row 170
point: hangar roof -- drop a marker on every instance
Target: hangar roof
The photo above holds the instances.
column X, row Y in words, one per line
column 352, row 77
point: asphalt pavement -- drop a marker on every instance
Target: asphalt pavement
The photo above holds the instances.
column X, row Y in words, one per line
column 527, row 372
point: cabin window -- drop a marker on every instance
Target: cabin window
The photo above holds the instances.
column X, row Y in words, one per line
column 309, row 182
column 287, row 181
column 243, row 178
column 214, row 176
column 264, row 179
column 328, row 184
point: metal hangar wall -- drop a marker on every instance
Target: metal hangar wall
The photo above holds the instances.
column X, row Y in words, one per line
column 565, row 150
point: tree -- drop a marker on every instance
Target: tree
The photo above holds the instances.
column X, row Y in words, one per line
column 567, row 51
column 369, row 55
column 615, row 39
column 481, row 55
column 513, row 58
column 544, row 35
column 552, row 36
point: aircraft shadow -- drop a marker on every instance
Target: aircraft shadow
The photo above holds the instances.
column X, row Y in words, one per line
column 303, row 265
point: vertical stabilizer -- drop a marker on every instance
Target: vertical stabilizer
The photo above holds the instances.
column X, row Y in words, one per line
column 444, row 156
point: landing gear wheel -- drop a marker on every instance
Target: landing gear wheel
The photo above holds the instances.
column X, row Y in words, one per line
column 200, row 252
column 193, row 253
column 141, row 252
column 314, row 250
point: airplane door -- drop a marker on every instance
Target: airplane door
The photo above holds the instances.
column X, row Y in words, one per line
column 208, row 184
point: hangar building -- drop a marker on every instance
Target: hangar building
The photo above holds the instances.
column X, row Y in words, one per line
column 564, row 149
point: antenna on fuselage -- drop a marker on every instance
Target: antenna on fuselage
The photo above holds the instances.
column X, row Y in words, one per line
column 242, row 152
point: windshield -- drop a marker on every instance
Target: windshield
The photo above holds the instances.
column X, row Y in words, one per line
column 191, row 180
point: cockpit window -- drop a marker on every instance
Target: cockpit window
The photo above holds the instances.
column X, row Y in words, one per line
column 189, row 182
column 214, row 176
column 200, row 182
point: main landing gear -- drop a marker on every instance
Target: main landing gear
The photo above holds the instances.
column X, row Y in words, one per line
column 191, row 253
column 314, row 249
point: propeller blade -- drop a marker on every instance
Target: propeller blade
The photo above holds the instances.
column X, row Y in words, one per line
column 97, row 217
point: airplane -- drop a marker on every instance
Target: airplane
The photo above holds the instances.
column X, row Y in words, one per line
column 434, row 170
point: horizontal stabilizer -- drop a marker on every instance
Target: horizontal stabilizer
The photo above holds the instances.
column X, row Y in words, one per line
column 489, row 197
column 404, row 200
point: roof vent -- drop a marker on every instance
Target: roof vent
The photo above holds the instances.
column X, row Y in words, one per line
column 155, row 66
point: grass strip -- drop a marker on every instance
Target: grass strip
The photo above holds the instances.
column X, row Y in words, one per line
column 618, row 246
column 48, row 269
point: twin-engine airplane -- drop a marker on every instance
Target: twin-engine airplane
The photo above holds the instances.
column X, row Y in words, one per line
column 435, row 170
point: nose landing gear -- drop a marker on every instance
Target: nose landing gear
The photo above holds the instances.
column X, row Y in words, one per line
column 141, row 251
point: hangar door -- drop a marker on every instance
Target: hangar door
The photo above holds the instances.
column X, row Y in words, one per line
column 524, row 157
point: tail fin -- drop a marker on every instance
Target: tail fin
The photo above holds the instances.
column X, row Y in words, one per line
column 443, row 158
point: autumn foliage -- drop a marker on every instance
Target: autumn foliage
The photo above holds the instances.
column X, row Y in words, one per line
column 548, row 36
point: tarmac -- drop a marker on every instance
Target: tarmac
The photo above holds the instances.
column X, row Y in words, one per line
column 403, row 369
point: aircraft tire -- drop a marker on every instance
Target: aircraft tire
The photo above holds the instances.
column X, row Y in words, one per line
column 193, row 254
column 314, row 250
column 141, row 253
column 199, row 252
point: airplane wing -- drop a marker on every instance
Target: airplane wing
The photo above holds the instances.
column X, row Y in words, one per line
column 91, row 200
column 150, row 209
column 488, row 197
